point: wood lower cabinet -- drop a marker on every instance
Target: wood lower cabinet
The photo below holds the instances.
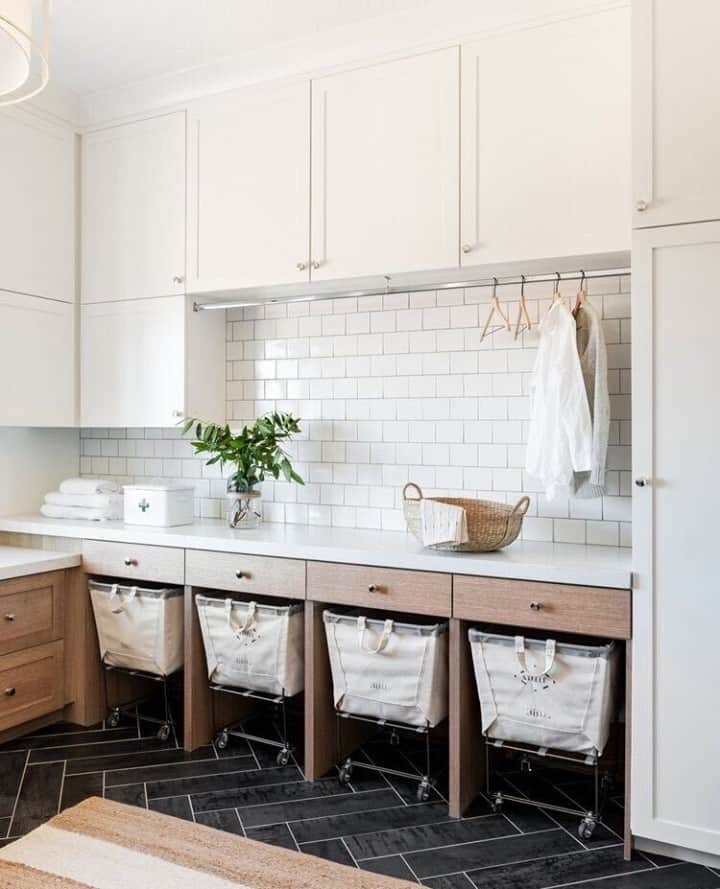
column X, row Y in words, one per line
column 248, row 575
column 31, row 611
column 132, row 561
column 31, row 684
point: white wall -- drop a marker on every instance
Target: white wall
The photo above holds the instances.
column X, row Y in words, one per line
column 33, row 462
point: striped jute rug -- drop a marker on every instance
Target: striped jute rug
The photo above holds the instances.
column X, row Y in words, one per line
column 100, row 844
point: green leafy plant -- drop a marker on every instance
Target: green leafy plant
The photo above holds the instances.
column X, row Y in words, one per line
column 256, row 452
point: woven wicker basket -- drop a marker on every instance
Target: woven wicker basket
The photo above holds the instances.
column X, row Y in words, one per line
column 491, row 525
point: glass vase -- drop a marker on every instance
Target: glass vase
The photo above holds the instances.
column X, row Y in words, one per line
column 244, row 509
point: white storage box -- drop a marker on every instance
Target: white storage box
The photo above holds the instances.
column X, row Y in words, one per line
column 253, row 646
column 388, row 670
column 546, row 693
column 160, row 505
column 139, row 627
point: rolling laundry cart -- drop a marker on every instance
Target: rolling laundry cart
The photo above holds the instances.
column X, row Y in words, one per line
column 392, row 674
column 140, row 633
column 546, row 699
column 254, row 651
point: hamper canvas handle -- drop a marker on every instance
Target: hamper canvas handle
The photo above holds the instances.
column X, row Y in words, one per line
column 382, row 641
column 549, row 655
column 247, row 625
column 121, row 606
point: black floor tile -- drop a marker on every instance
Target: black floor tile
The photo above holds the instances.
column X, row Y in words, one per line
column 318, row 810
column 275, row 835
column 39, row 797
column 453, row 859
column 140, row 758
column 98, row 750
column 452, row 881
column 132, row 794
column 228, row 774
column 222, row 819
column 392, row 866
column 429, row 836
column 64, row 739
column 269, row 792
column 333, row 850
column 4, row 826
column 12, row 766
column 76, row 788
column 676, row 876
column 177, row 806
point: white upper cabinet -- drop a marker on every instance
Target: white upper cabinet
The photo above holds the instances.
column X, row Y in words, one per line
column 385, row 168
column 37, row 222
column 133, row 210
column 676, row 125
column 546, row 141
column 37, row 361
column 249, row 188
column 148, row 362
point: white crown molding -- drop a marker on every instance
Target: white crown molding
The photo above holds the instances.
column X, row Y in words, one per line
column 341, row 48
column 58, row 103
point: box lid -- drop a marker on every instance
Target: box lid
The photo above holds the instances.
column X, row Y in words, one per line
column 159, row 486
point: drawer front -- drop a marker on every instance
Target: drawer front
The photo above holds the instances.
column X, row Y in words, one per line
column 31, row 684
column 163, row 564
column 591, row 611
column 31, row 611
column 253, row 575
column 390, row 589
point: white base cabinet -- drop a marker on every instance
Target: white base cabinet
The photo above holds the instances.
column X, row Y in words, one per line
column 37, row 361
column 676, row 621
column 149, row 362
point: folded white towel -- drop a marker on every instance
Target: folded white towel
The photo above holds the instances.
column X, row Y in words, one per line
column 442, row 523
column 111, row 502
column 52, row 511
column 88, row 486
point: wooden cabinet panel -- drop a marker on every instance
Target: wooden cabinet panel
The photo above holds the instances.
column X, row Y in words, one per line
column 546, row 141
column 385, row 167
column 133, row 210
column 163, row 564
column 31, row 684
column 390, row 589
column 235, row 572
column 249, row 188
column 31, row 610
column 590, row 611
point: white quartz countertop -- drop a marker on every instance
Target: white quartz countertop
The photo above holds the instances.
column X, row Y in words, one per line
column 20, row 562
column 605, row 566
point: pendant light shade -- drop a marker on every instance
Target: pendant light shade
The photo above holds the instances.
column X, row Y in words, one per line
column 23, row 49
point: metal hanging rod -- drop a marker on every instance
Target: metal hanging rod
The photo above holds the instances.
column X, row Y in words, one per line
column 553, row 278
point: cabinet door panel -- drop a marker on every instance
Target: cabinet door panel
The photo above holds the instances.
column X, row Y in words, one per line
column 676, row 94
column 385, row 168
column 37, row 183
column 249, row 181
column 133, row 202
column 676, row 620
column 133, row 362
column 37, row 361
column 546, row 141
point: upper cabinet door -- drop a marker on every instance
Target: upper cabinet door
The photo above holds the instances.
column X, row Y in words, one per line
column 385, row 168
column 249, row 188
column 133, row 210
column 546, row 141
column 676, row 127
column 37, row 222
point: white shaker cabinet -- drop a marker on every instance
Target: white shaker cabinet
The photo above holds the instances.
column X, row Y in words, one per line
column 148, row 362
column 37, row 190
column 37, row 361
column 546, row 141
column 676, row 621
column 133, row 210
column 249, row 188
column 676, row 124
column 385, row 168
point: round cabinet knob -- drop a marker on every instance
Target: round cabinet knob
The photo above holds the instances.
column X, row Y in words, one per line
column 130, row 562
column 641, row 206
column 374, row 588
column 301, row 266
column 9, row 617
column 241, row 574
column 642, row 482
column 9, row 692
column 467, row 248
column 315, row 264
column 178, row 279
column 536, row 606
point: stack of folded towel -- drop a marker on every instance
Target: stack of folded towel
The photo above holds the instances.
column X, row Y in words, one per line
column 442, row 523
column 96, row 499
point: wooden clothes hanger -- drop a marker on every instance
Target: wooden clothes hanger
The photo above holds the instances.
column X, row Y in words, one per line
column 523, row 314
column 581, row 297
column 495, row 307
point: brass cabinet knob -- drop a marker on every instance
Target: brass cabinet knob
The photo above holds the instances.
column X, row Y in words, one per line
column 536, row 606
column 130, row 562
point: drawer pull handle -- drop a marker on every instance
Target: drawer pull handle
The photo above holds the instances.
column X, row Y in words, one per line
column 375, row 588
column 536, row 606
column 9, row 617
column 242, row 575
column 9, row 692
column 131, row 563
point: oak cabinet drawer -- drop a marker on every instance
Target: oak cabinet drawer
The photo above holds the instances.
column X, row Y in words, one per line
column 163, row 564
column 31, row 610
column 390, row 589
column 254, row 575
column 31, row 684
column 591, row 611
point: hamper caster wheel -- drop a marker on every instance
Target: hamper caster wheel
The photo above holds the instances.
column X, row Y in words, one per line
column 345, row 773
column 423, row 791
column 113, row 719
column 586, row 828
column 497, row 803
column 283, row 757
column 222, row 740
column 163, row 733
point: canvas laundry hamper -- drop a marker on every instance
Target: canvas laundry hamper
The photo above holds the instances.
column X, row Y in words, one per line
column 547, row 693
column 390, row 670
column 253, row 646
column 139, row 627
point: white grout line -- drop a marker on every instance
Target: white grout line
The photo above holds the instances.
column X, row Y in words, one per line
column 192, row 811
column 347, row 849
column 242, row 826
column 407, row 865
column 62, row 786
column 505, row 836
column 146, row 795
column 185, row 777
